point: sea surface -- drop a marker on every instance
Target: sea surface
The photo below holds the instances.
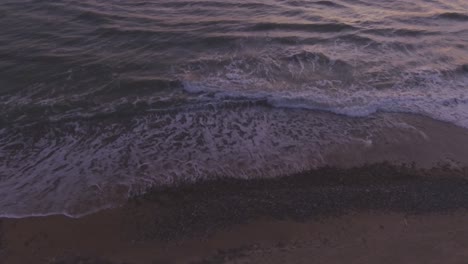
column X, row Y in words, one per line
column 101, row 99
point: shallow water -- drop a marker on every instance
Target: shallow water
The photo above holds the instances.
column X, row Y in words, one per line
column 98, row 97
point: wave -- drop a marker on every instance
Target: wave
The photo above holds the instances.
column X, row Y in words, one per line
column 217, row 4
column 402, row 32
column 138, row 86
column 307, row 80
column 316, row 27
column 308, row 4
column 453, row 16
column 328, row 3
column 80, row 166
column 424, row 93
column 77, row 166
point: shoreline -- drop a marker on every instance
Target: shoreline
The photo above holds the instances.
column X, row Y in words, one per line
column 303, row 140
column 221, row 215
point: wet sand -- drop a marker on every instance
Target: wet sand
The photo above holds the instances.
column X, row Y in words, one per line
column 376, row 214
column 407, row 138
column 369, row 237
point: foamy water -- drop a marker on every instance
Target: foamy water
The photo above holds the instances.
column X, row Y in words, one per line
column 99, row 99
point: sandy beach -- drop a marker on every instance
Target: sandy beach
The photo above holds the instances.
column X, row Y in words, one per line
column 403, row 215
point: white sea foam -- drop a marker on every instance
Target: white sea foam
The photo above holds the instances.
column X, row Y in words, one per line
column 73, row 168
column 426, row 93
column 78, row 166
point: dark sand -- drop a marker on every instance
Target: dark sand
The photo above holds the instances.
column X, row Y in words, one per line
column 373, row 214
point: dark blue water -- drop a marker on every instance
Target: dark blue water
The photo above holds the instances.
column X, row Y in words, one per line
column 100, row 97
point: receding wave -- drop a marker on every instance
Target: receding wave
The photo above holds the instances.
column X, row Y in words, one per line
column 80, row 165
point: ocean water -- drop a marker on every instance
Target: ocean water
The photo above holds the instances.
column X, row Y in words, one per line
column 102, row 98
